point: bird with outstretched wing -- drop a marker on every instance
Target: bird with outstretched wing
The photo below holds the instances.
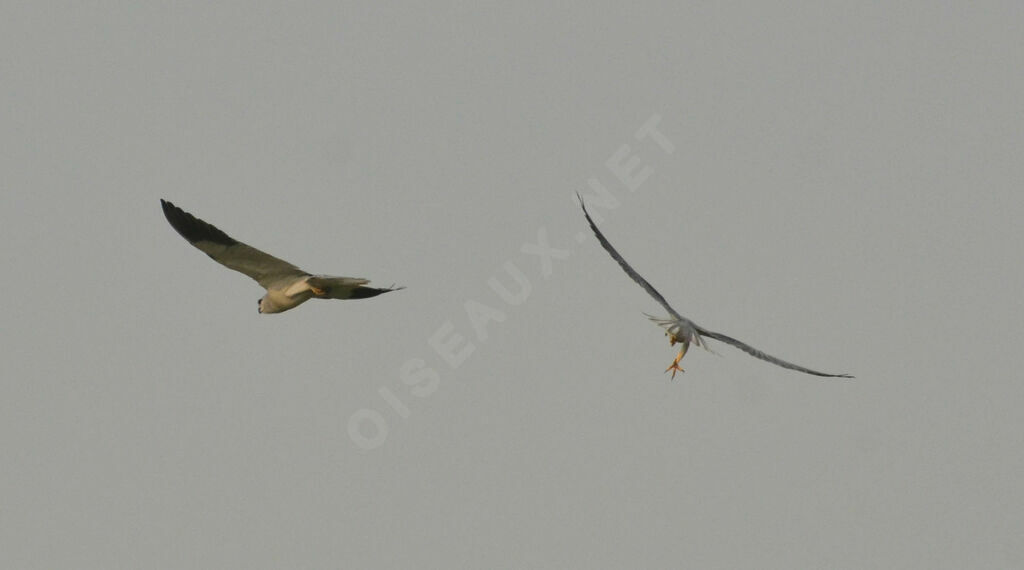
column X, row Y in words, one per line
column 287, row 286
column 682, row 330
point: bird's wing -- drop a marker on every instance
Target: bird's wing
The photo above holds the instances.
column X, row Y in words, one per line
column 266, row 269
column 766, row 357
column 625, row 266
column 336, row 287
column 346, row 287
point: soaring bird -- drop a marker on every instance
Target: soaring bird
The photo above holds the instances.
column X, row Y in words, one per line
column 287, row 286
column 682, row 330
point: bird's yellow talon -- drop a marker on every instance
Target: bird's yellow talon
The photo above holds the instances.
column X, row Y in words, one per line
column 317, row 291
column 674, row 368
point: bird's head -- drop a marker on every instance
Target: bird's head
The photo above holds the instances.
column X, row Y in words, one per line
column 267, row 305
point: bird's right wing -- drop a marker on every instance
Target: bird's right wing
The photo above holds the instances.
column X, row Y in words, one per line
column 625, row 266
column 229, row 252
column 346, row 287
column 763, row 356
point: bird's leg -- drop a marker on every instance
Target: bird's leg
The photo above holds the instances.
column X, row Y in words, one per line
column 674, row 367
column 317, row 291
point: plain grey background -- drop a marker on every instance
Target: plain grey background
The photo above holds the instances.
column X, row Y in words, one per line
column 844, row 191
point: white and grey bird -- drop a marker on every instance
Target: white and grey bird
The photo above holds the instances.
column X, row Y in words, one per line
column 681, row 329
column 287, row 286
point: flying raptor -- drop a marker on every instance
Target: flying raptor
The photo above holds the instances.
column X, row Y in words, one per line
column 287, row 286
column 681, row 329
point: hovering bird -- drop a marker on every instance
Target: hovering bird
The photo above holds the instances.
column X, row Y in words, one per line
column 682, row 330
column 287, row 286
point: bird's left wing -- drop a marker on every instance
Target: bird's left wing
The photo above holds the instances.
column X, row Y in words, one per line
column 763, row 356
column 625, row 266
column 229, row 252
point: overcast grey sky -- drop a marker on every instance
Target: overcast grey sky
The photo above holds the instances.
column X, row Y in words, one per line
column 843, row 190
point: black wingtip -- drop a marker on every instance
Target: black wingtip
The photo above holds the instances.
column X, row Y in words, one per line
column 192, row 228
column 583, row 205
column 586, row 214
column 367, row 292
column 827, row 375
column 840, row 375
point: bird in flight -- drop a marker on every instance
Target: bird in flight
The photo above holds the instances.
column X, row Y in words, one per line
column 682, row 330
column 287, row 286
